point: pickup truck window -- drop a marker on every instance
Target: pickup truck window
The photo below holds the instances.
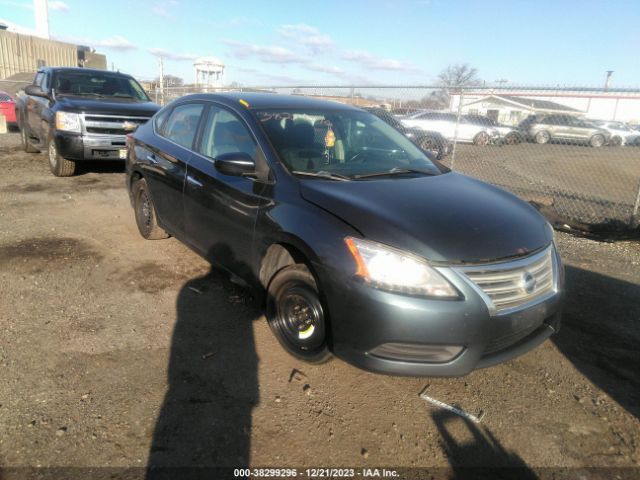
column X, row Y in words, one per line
column 98, row 84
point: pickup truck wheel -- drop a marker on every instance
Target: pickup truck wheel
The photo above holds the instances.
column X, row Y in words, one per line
column 145, row 212
column 26, row 146
column 60, row 167
column 296, row 316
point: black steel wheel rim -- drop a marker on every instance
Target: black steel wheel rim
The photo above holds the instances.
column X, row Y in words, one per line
column 300, row 318
column 144, row 210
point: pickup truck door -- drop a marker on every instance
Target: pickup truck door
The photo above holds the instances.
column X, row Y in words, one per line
column 221, row 210
column 33, row 109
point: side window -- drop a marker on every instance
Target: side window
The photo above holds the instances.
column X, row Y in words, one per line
column 45, row 82
column 38, row 79
column 225, row 133
column 182, row 124
column 158, row 121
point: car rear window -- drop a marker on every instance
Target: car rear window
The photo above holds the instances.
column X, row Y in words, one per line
column 5, row 98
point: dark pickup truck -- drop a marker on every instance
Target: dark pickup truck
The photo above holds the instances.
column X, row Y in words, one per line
column 77, row 114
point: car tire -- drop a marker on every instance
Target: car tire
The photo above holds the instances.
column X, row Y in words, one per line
column 597, row 141
column 60, row 166
column 145, row 212
column 296, row 316
column 481, row 139
column 512, row 139
column 26, row 146
column 542, row 137
column 431, row 145
column 615, row 141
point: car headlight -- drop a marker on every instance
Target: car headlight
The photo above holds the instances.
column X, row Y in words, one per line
column 68, row 122
column 393, row 270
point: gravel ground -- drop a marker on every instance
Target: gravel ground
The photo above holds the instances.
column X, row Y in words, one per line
column 117, row 352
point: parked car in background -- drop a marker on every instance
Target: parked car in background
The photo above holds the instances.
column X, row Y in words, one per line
column 432, row 142
column 78, row 114
column 508, row 134
column 446, row 124
column 359, row 243
column 621, row 133
column 563, row 129
column 8, row 109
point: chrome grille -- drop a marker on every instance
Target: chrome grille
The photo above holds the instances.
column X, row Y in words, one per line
column 512, row 285
column 111, row 124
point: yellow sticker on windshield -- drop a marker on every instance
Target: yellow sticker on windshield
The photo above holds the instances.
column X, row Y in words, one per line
column 244, row 102
column 330, row 138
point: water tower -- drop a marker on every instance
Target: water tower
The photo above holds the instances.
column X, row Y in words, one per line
column 209, row 71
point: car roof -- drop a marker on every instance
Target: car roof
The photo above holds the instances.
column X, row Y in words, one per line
column 259, row 101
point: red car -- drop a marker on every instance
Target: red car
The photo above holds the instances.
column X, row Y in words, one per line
column 8, row 109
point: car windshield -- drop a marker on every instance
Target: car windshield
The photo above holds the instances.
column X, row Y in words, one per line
column 98, row 85
column 620, row 126
column 341, row 143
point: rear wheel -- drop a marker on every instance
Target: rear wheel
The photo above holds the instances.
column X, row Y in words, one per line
column 296, row 316
column 145, row 212
column 481, row 139
column 542, row 137
column 26, row 146
column 596, row 141
column 60, row 167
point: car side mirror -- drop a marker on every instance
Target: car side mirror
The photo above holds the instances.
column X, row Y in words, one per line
column 235, row 164
column 35, row 91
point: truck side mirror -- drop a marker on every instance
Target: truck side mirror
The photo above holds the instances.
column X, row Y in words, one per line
column 35, row 91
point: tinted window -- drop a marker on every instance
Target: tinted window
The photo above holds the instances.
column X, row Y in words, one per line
column 38, row 79
column 182, row 124
column 225, row 133
column 98, row 84
column 159, row 120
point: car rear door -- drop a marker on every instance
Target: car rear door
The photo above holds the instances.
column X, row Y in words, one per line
column 165, row 158
column 221, row 210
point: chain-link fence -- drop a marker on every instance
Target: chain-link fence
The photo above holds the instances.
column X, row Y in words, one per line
column 573, row 152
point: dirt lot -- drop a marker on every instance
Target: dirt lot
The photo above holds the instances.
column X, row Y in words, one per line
column 117, row 351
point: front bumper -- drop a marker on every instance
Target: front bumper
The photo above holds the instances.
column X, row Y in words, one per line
column 90, row 147
column 364, row 318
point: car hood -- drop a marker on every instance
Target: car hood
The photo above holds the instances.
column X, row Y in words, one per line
column 445, row 218
column 115, row 106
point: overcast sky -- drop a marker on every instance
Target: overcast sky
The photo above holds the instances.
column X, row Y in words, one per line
column 396, row 42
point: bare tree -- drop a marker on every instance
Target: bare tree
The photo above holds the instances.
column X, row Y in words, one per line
column 455, row 77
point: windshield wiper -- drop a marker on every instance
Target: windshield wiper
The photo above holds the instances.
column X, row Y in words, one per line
column 323, row 174
column 396, row 171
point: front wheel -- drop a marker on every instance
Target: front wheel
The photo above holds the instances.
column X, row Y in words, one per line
column 296, row 316
column 60, row 166
column 512, row 139
column 596, row 141
column 432, row 146
column 615, row 141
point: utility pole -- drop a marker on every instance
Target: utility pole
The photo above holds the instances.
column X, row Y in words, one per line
column 161, row 60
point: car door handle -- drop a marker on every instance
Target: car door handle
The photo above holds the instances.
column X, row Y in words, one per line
column 193, row 181
column 152, row 158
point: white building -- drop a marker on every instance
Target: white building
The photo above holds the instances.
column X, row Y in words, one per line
column 208, row 71
column 513, row 105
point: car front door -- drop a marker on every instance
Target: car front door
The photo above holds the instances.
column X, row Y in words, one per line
column 220, row 209
column 165, row 161
column 34, row 107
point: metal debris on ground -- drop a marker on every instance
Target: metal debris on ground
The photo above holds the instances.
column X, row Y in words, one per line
column 423, row 395
column 208, row 355
column 194, row 289
column 296, row 375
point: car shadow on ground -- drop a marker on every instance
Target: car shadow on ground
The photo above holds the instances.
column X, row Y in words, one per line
column 205, row 420
column 600, row 333
column 475, row 453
